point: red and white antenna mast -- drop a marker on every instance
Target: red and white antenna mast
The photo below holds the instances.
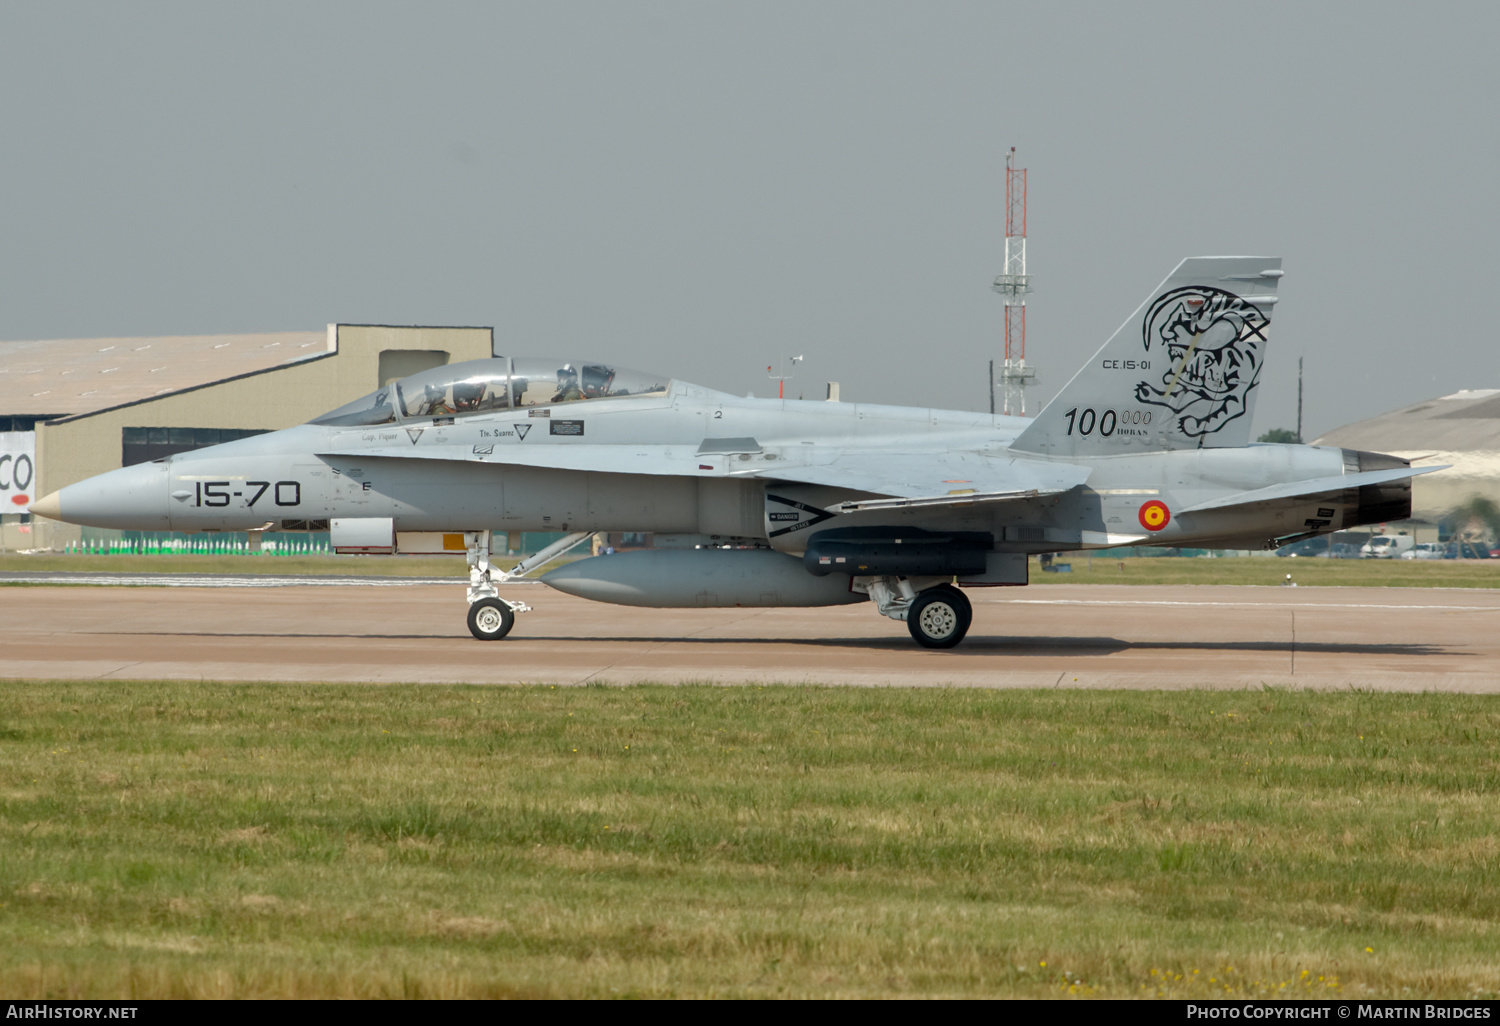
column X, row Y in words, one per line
column 1013, row 285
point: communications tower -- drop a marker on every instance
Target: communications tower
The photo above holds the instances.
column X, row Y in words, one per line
column 1013, row 285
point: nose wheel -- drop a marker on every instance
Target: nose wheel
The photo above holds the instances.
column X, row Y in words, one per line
column 939, row 617
column 490, row 616
column 490, row 619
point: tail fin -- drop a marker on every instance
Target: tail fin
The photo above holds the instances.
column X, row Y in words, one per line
column 1179, row 374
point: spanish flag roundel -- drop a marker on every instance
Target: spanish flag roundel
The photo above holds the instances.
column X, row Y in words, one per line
column 1155, row 515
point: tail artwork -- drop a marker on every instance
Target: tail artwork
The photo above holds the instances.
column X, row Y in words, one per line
column 1180, row 373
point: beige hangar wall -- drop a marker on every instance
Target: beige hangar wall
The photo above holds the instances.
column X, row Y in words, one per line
column 76, row 448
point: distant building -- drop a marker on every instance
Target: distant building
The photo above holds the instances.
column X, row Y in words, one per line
column 73, row 408
column 1462, row 429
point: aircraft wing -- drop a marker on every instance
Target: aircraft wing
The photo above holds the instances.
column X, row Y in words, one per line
column 1312, row 486
column 913, row 478
column 932, row 479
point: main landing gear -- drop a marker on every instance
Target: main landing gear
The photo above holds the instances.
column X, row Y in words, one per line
column 940, row 618
column 490, row 616
column 936, row 613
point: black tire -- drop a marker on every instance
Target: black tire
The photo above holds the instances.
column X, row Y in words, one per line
column 939, row 617
column 490, row 619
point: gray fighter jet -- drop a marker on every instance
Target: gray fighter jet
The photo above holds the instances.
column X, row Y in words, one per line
column 768, row 502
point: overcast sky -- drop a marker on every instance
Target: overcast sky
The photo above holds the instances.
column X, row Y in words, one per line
column 703, row 188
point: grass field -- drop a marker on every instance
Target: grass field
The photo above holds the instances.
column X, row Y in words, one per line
column 165, row 840
column 1344, row 573
column 380, row 566
column 1357, row 573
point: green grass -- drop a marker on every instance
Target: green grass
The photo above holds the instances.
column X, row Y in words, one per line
column 382, row 566
column 345, row 566
column 1340, row 573
column 174, row 840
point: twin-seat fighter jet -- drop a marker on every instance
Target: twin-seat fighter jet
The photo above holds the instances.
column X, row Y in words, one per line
column 769, row 502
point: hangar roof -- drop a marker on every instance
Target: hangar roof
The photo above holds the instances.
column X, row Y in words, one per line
column 65, row 377
column 1462, row 422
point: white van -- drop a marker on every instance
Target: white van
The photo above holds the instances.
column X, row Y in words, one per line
column 1386, row 546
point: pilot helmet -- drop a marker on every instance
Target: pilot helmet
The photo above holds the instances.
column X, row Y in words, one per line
column 466, row 394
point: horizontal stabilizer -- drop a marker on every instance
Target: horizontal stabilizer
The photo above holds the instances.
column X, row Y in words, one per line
column 1312, row 486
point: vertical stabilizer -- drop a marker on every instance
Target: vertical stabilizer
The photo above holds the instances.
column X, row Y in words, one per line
column 1179, row 374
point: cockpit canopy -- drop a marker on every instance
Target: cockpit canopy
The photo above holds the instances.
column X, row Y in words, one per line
column 483, row 386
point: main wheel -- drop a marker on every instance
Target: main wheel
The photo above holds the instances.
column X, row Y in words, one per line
column 939, row 617
column 490, row 619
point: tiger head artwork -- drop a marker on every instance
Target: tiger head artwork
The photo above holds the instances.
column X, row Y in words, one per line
column 1213, row 341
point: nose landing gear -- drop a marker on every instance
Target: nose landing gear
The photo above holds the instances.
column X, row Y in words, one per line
column 491, row 619
column 490, row 616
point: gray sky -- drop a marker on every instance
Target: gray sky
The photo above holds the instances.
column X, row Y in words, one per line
column 703, row 188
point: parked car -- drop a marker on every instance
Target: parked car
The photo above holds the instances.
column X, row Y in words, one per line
column 1342, row 550
column 1466, row 550
column 1306, row 547
column 1425, row 550
column 1386, row 546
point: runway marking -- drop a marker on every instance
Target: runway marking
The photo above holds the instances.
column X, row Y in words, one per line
column 257, row 581
column 1246, row 605
column 231, row 581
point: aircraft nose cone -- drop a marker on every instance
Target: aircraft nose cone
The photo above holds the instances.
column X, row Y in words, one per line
column 128, row 499
column 48, row 507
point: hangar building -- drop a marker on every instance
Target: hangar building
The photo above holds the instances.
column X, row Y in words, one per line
column 73, row 408
column 1462, row 429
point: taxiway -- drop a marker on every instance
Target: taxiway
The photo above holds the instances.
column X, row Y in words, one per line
column 1052, row 636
